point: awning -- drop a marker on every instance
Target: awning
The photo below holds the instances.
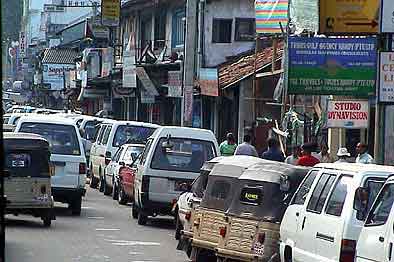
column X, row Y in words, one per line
column 146, row 81
column 59, row 56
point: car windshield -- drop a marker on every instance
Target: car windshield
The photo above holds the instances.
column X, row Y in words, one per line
column 63, row 139
column 129, row 134
column 90, row 130
column 185, row 154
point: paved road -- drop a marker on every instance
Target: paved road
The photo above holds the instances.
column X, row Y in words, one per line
column 105, row 232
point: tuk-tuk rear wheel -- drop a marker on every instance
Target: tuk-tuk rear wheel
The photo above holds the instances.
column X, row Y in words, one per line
column 134, row 211
column 76, row 206
column 47, row 221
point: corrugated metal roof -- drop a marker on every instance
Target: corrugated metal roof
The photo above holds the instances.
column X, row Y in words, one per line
column 59, row 56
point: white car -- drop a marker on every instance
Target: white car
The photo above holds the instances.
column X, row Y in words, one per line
column 125, row 155
column 67, row 155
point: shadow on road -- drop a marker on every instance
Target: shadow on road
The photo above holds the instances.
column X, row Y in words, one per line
column 161, row 222
column 14, row 221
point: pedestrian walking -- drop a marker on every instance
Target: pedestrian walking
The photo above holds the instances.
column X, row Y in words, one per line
column 363, row 157
column 342, row 155
column 228, row 146
column 307, row 159
column 273, row 152
column 293, row 158
column 324, row 156
column 246, row 148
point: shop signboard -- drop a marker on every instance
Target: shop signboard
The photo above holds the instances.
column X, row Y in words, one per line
column 129, row 75
column 387, row 16
column 110, row 12
column 146, row 81
column 147, row 97
column 332, row 66
column 107, row 58
column 386, row 77
column 389, row 136
column 344, row 17
column 350, row 114
column 209, row 82
column 22, row 44
column 188, row 103
column 174, row 84
column 53, row 75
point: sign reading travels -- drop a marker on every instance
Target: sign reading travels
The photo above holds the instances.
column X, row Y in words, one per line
column 352, row 114
column 271, row 16
column 110, row 12
column 387, row 16
column 386, row 77
column 332, row 66
column 340, row 16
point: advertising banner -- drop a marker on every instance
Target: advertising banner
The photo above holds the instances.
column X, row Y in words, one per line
column 339, row 16
column 110, row 12
column 188, row 103
column 22, row 44
column 53, row 75
column 332, row 66
column 146, row 81
column 129, row 75
column 209, row 82
column 107, row 57
column 387, row 16
column 386, row 77
column 271, row 15
column 351, row 114
column 174, row 84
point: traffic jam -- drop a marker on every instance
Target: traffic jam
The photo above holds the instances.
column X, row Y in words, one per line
column 225, row 207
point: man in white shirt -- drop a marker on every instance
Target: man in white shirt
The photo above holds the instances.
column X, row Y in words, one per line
column 363, row 157
column 246, row 148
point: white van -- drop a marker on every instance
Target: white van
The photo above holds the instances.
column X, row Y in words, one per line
column 112, row 135
column 67, row 155
column 376, row 240
column 172, row 157
column 324, row 225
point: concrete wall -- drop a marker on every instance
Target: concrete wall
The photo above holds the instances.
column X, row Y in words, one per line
column 245, row 107
column 215, row 53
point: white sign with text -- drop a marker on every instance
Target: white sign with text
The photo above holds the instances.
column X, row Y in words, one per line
column 351, row 114
column 53, row 74
column 386, row 77
column 387, row 16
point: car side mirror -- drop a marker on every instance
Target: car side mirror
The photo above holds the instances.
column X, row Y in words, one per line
column 122, row 163
column 107, row 154
column 361, row 202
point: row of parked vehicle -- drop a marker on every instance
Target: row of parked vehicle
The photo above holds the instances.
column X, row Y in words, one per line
column 248, row 209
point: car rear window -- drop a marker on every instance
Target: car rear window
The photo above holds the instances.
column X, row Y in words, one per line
column 128, row 134
column 23, row 164
column 63, row 139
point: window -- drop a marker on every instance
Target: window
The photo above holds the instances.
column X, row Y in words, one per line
column 62, row 139
column 178, row 28
column 220, row 190
column 131, row 135
column 160, row 29
column 244, row 29
column 337, row 199
column 382, row 207
column 221, row 30
column 132, row 153
column 187, row 155
column 146, row 151
column 320, row 193
column 101, row 133
column 302, row 193
column 200, row 184
column 106, row 135
column 118, row 154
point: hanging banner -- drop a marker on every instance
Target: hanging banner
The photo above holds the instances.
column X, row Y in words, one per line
column 110, row 12
column 129, row 75
column 389, row 136
column 351, row 114
column 271, row 15
column 147, row 97
column 146, row 81
column 107, row 57
column 332, row 66
column 188, row 103
column 387, row 16
column 174, row 84
column 339, row 16
column 386, row 77
column 22, row 44
column 209, row 82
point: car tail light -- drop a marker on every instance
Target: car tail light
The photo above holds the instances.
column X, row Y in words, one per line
column 261, row 238
column 43, row 189
column 348, row 250
column 82, row 168
column 145, row 184
column 222, row 231
column 188, row 215
column 107, row 161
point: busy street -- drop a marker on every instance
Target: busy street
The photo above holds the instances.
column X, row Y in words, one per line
column 104, row 232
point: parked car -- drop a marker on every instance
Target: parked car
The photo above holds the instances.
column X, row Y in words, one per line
column 111, row 136
column 125, row 156
column 172, row 156
column 67, row 155
column 376, row 240
column 8, row 128
column 261, row 197
column 322, row 222
column 12, row 119
column 28, row 182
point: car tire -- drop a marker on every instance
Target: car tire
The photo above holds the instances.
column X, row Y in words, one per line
column 115, row 191
column 102, row 184
column 47, row 221
column 142, row 219
column 178, row 227
column 288, row 256
column 134, row 211
column 122, row 197
column 107, row 189
column 76, row 206
column 93, row 180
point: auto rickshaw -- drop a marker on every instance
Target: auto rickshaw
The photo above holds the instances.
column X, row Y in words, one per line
column 251, row 231
column 210, row 216
column 27, row 183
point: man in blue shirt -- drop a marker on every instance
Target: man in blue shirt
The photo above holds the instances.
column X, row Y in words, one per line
column 273, row 153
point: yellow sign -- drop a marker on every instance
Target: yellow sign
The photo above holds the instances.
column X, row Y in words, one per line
column 110, row 12
column 349, row 16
